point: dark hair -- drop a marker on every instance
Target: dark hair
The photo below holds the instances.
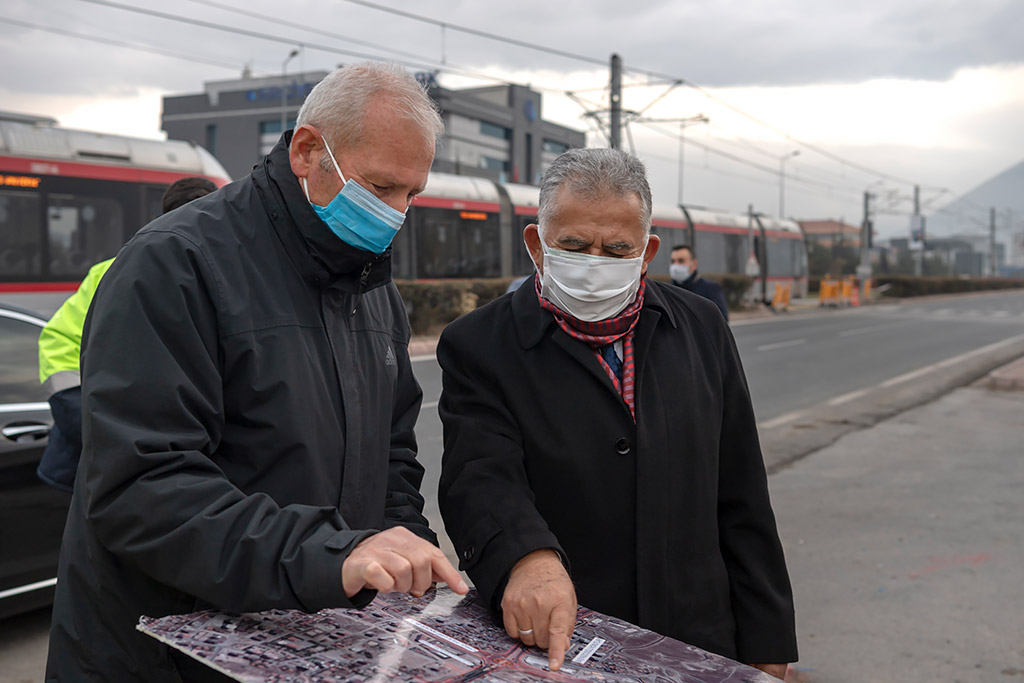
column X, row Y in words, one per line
column 184, row 190
column 693, row 252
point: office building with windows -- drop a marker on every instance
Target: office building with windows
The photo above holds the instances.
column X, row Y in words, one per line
column 493, row 132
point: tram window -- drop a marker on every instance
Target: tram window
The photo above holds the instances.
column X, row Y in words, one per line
column 522, row 262
column 481, row 248
column 20, row 234
column 82, row 231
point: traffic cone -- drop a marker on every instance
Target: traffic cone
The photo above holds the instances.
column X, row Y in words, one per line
column 855, row 295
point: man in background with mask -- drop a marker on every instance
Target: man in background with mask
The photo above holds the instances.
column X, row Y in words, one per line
column 248, row 398
column 684, row 274
column 600, row 443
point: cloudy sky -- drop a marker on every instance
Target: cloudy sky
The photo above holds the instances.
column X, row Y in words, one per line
column 877, row 95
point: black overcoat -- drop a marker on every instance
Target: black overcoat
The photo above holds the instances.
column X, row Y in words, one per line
column 249, row 406
column 666, row 522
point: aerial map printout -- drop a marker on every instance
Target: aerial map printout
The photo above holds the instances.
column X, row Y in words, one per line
column 439, row 637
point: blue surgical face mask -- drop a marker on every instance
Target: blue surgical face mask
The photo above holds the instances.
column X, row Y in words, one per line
column 358, row 216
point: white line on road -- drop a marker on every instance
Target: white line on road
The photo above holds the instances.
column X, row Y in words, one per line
column 780, row 420
column 1000, row 314
column 782, row 345
column 846, row 398
column 420, row 359
column 914, row 374
column 864, row 330
column 432, row 404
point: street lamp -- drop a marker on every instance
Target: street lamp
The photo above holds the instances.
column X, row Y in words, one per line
column 284, row 87
column 782, row 180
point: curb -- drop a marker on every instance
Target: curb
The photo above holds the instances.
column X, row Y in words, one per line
column 1009, row 377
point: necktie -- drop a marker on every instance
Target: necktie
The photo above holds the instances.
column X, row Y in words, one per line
column 612, row 358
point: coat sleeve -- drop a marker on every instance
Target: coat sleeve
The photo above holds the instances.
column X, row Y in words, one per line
column 484, row 493
column 762, row 599
column 404, row 502
column 153, row 417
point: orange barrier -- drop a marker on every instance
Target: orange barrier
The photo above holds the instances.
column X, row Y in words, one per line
column 828, row 293
column 780, row 301
column 854, row 293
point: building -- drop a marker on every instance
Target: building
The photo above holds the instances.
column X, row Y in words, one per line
column 830, row 233
column 494, row 132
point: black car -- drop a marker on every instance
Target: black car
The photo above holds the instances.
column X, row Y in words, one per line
column 32, row 514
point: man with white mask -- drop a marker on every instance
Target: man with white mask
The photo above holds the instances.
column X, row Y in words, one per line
column 248, row 397
column 600, row 443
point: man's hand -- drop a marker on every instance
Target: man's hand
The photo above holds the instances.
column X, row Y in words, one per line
column 539, row 604
column 398, row 561
column 777, row 670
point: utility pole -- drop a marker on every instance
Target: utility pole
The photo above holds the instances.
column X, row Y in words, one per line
column 615, row 134
column 782, row 180
column 864, row 269
column 919, row 261
column 992, row 240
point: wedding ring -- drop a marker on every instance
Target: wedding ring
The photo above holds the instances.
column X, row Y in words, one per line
column 526, row 632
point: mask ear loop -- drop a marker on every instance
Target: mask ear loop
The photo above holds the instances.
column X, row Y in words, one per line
column 331, row 155
column 305, row 187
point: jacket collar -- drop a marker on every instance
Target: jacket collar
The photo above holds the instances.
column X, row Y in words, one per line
column 318, row 254
column 532, row 322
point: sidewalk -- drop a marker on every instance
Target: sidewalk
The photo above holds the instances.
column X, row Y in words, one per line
column 905, row 542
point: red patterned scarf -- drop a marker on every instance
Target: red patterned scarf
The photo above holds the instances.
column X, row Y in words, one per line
column 601, row 333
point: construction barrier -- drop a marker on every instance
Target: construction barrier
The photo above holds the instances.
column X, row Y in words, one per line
column 844, row 292
column 780, row 301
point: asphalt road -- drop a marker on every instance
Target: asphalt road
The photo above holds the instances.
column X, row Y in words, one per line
column 795, row 364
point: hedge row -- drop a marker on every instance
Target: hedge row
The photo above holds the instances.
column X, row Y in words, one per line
column 432, row 304
column 909, row 285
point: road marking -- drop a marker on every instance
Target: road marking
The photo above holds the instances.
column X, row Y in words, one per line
column 1000, row 314
column 429, row 405
column 846, row 398
column 782, row 345
column 11, row 592
column 914, row 374
column 780, row 420
column 944, row 311
column 420, row 359
column 864, row 330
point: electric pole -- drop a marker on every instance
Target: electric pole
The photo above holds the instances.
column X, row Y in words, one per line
column 864, row 269
column 992, row 240
column 919, row 224
column 615, row 134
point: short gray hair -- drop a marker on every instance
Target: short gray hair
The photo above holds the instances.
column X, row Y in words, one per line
column 595, row 173
column 337, row 105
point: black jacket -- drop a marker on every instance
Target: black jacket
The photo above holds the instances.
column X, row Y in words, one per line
column 248, row 418
column 707, row 289
column 667, row 522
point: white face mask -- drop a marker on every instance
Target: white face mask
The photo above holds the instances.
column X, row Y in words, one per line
column 679, row 272
column 589, row 287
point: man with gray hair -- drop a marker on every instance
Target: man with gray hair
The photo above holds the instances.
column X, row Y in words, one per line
column 248, row 397
column 599, row 441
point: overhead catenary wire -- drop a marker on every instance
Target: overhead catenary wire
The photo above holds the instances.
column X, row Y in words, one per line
column 119, row 43
column 647, row 72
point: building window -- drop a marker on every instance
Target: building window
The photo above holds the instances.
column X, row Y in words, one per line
column 492, row 164
column 270, row 133
column 494, row 130
column 555, row 147
column 211, row 138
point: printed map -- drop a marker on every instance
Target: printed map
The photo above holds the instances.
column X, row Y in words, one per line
column 440, row 637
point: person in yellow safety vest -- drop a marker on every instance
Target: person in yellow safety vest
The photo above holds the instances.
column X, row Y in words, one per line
column 60, row 348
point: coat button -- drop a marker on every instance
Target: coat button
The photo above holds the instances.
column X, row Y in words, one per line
column 622, row 446
column 468, row 553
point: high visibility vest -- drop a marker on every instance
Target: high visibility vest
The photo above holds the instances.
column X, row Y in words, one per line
column 60, row 342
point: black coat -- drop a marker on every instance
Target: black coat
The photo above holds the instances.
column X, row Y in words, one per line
column 707, row 289
column 666, row 522
column 248, row 418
